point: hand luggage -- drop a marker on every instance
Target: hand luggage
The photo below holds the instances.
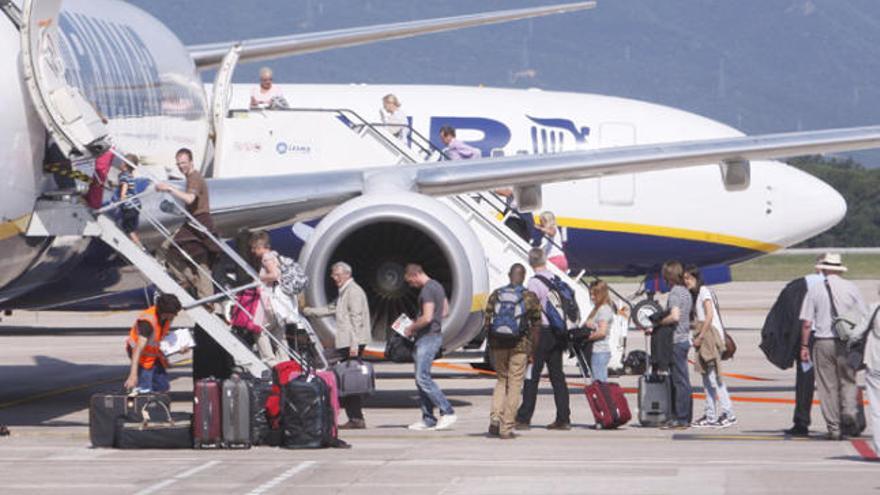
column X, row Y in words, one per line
column 398, row 349
column 355, row 377
column 207, row 430
column 236, row 413
column 606, row 400
column 261, row 431
column 157, row 430
column 329, row 379
column 282, row 373
column 105, row 409
column 307, row 413
column 655, row 399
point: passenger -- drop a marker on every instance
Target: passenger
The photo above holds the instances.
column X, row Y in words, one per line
column 279, row 308
column 511, row 355
column 130, row 210
column 709, row 345
column 149, row 368
column 524, row 222
column 679, row 304
column 426, row 330
column 352, row 313
column 196, row 244
column 836, row 380
column 872, row 366
column 552, row 244
column 394, row 119
column 550, row 352
column 600, row 319
column 455, row 149
column 263, row 95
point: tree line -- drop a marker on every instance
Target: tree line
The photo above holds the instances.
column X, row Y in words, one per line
column 860, row 187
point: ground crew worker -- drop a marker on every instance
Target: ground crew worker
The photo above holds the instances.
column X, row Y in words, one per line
column 148, row 364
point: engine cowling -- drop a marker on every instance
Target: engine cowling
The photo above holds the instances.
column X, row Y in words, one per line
column 378, row 234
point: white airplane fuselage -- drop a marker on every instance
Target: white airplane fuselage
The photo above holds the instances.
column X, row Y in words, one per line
column 618, row 224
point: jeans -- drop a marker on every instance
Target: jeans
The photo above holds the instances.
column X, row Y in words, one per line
column 154, row 379
column 510, row 368
column 550, row 352
column 353, row 404
column 716, row 393
column 681, row 383
column 599, row 365
column 430, row 395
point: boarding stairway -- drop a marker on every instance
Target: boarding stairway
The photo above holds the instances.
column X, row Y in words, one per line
column 54, row 217
column 486, row 213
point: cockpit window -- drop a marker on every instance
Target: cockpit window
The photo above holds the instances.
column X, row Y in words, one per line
column 736, row 174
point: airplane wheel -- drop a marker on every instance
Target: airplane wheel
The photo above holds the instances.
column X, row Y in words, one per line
column 642, row 312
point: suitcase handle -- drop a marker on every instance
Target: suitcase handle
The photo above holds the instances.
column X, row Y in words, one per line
column 146, row 415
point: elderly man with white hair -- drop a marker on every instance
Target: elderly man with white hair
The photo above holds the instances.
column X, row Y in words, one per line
column 835, row 379
column 352, row 315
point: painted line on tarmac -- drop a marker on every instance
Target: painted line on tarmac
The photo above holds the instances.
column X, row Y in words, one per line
column 58, row 391
column 182, row 476
column 758, row 438
column 281, row 478
column 865, row 450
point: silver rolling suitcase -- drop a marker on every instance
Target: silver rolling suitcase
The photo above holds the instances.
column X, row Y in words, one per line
column 355, row 377
column 655, row 399
column 236, row 416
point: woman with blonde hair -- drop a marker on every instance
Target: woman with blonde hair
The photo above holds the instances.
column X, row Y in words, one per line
column 552, row 244
column 393, row 118
column 599, row 320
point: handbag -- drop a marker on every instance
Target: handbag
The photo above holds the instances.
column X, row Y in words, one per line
column 729, row 343
column 855, row 349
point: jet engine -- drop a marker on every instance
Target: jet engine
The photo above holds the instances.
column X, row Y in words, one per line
column 378, row 235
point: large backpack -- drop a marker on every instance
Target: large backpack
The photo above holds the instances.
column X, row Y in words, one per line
column 509, row 322
column 561, row 308
column 293, row 277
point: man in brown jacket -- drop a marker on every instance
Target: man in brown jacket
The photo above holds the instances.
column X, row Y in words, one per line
column 352, row 315
column 511, row 354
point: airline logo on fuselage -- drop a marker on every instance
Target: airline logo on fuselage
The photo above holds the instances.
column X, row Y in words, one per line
column 548, row 135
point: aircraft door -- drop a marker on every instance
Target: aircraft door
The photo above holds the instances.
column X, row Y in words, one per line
column 220, row 102
column 69, row 117
column 620, row 189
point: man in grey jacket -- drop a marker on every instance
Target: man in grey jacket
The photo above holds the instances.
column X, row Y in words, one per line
column 352, row 315
column 871, row 325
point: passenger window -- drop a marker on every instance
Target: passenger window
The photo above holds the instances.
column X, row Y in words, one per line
column 736, row 174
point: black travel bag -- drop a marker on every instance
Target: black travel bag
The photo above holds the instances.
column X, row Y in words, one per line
column 105, row 409
column 307, row 417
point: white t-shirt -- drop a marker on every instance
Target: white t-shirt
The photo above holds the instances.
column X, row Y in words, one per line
column 706, row 295
column 263, row 98
column 604, row 313
column 553, row 248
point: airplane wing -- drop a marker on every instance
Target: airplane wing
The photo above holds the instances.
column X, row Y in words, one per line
column 210, row 55
column 474, row 175
column 283, row 199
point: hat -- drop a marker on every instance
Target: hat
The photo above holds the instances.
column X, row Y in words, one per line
column 830, row 262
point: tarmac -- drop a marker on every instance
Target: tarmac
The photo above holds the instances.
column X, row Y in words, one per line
column 52, row 362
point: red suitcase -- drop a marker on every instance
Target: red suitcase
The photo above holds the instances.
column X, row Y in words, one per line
column 606, row 400
column 207, row 427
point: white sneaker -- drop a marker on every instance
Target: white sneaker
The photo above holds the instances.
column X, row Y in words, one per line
column 420, row 426
column 446, row 422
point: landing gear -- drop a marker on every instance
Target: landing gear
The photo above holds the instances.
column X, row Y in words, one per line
column 643, row 310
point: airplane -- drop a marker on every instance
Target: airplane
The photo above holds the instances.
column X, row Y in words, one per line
column 624, row 176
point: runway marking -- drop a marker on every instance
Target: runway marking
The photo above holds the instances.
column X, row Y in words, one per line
column 182, row 476
column 865, row 450
column 58, row 391
column 763, row 438
column 281, row 478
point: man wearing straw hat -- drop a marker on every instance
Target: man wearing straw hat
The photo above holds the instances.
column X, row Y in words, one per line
column 835, row 379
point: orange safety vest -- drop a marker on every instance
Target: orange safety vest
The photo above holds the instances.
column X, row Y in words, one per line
column 151, row 351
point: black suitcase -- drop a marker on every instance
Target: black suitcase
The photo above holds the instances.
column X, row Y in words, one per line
column 106, row 409
column 164, row 432
column 307, row 417
column 261, row 431
column 236, row 414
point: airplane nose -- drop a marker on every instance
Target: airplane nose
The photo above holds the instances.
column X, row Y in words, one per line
column 811, row 206
column 829, row 207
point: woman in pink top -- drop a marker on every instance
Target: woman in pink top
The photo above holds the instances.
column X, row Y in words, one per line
column 261, row 96
column 278, row 307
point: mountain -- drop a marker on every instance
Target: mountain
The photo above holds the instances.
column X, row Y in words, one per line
column 759, row 65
